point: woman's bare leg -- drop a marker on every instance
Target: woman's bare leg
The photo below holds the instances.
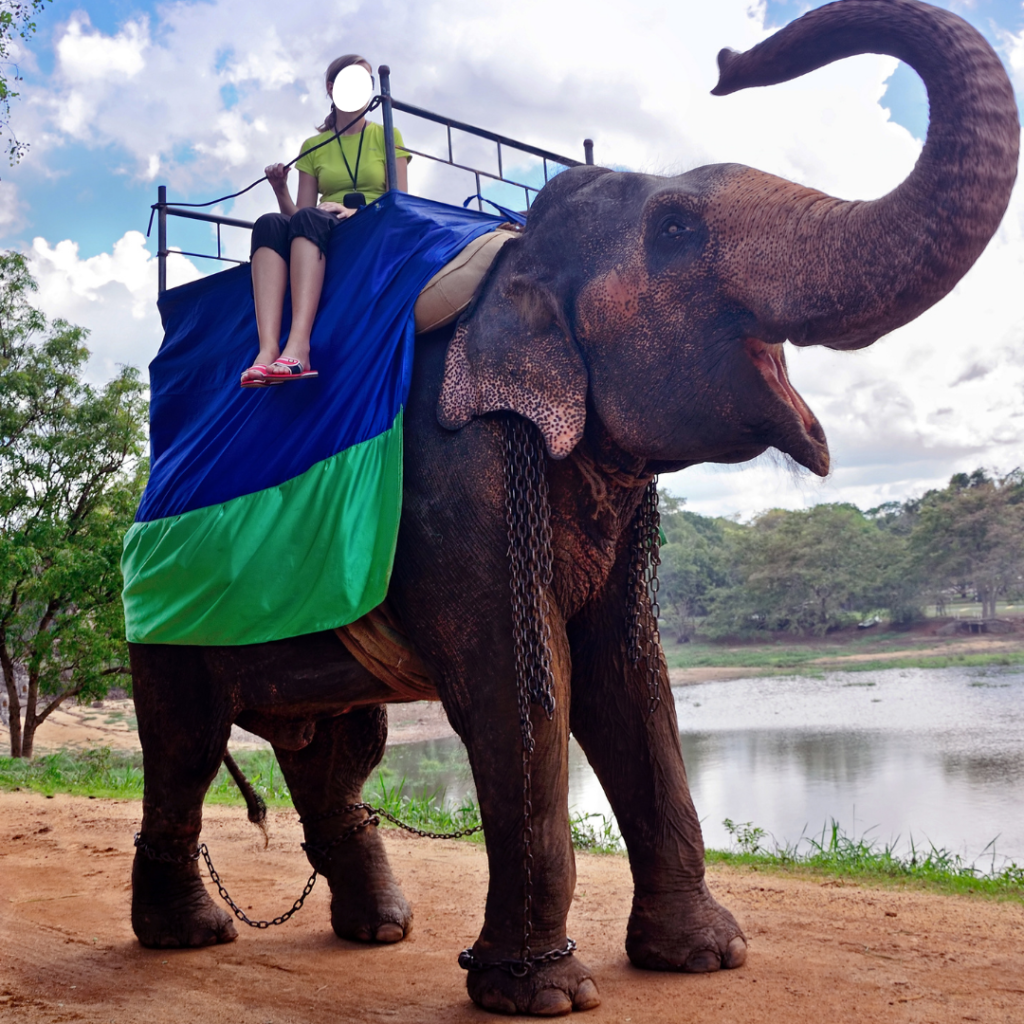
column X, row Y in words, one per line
column 307, row 272
column 269, row 282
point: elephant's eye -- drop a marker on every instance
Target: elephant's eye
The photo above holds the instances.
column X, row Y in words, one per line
column 672, row 227
column 678, row 238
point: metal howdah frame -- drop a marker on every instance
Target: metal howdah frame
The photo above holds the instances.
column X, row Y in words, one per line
column 388, row 105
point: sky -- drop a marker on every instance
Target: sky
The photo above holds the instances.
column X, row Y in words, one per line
column 120, row 96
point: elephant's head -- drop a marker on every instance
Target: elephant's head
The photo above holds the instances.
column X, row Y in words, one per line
column 660, row 305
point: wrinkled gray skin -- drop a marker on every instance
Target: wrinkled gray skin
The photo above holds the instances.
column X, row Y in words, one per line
column 638, row 322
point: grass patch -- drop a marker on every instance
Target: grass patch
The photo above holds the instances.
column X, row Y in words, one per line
column 111, row 774
column 834, row 854
column 814, row 659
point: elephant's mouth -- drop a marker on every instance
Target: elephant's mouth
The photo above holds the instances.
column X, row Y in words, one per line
column 801, row 436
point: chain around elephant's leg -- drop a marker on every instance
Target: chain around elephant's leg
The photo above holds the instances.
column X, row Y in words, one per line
column 325, row 779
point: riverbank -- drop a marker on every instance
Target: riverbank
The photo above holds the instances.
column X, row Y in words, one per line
column 818, row 950
column 850, row 651
column 111, row 723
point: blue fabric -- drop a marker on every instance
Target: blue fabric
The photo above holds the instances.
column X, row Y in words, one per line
column 212, row 441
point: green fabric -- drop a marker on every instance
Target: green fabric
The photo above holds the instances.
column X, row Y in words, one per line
column 313, row 553
column 333, row 180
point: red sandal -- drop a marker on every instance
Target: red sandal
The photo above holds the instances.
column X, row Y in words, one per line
column 259, row 381
column 292, row 371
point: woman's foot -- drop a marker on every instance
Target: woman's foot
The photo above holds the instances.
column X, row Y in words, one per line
column 256, row 376
column 284, row 368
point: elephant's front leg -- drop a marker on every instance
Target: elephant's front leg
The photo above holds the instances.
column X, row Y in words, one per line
column 675, row 924
column 451, row 588
column 327, row 775
column 524, row 807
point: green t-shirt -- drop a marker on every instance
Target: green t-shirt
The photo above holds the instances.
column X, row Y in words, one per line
column 333, row 180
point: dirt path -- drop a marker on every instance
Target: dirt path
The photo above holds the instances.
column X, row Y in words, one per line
column 818, row 951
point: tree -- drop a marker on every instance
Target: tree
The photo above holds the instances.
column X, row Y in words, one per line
column 692, row 562
column 801, row 572
column 970, row 536
column 15, row 22
column 70, row 479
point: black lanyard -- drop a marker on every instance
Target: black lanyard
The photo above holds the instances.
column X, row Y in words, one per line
column 359, row 153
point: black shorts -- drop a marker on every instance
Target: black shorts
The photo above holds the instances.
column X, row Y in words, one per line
column 276, row 231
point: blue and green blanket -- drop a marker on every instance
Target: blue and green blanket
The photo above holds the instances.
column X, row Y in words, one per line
column 273, row 512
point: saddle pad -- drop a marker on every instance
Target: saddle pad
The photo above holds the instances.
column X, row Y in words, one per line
column 450, row 291
column 378, row 643
column 273, row 512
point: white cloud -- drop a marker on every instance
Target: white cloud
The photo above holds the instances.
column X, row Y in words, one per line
column 112, row 294
column 88, row 57
column 13, row 213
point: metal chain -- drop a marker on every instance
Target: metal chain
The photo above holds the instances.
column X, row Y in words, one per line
column 529, row 552
column 643, row 638
column 527, row 514
column 469, row 961
column 238, row 911
column 370, row 809
column 318, row 851
column 160, row 855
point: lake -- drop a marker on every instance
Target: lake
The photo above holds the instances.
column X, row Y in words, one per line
column 936, row 755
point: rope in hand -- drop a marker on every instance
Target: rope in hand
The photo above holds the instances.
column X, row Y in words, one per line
column 374, row 103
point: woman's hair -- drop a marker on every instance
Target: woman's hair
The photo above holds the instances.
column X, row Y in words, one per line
column 331, row 120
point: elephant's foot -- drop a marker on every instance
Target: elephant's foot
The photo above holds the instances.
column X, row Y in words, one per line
column 367, row 904
column 171, row 909
column 551, row 990
column 689, row 932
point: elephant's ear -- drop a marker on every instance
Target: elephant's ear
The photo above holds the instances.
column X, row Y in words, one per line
column 514, row 351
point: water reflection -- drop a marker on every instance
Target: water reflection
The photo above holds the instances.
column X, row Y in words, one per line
column 936, row 754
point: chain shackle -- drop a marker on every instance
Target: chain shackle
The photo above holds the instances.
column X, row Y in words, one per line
column 643, row 638
column 528, row 517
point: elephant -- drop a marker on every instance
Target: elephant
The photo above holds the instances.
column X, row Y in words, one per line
column 638, row 324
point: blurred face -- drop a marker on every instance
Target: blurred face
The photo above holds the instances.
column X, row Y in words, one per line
column 352, row 89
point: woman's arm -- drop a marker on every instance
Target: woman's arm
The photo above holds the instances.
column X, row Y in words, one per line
column 277, row 175
column 402, row 167
column 307, row 191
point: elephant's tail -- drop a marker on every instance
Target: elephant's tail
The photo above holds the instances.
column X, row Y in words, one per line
column 253, row 801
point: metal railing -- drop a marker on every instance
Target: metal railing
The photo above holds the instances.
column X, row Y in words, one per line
column 388, row 105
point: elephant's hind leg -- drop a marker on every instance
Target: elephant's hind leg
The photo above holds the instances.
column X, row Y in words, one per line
column 184, row 726
column 366, row 902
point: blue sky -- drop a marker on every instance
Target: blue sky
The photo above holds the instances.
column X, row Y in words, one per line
column 120, row 96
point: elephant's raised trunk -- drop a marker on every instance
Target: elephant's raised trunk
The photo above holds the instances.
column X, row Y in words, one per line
column 818, row 270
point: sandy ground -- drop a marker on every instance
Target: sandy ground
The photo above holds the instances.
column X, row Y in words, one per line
column 819, row 951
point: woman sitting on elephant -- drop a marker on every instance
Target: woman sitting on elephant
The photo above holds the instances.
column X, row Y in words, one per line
column 294, row 241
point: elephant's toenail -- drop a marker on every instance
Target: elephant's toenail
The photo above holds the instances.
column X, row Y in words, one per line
column 390, row 933
column 586, row 996
column 702, row 961
column 550, row 1002
column 495, row 1001
column 735, row 953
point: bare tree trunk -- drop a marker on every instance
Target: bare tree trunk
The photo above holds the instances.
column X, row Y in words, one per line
column 15, row 701
column 31, row 721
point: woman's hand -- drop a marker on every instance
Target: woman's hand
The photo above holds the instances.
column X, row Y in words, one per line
column 277, row 175
column 341, row 212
